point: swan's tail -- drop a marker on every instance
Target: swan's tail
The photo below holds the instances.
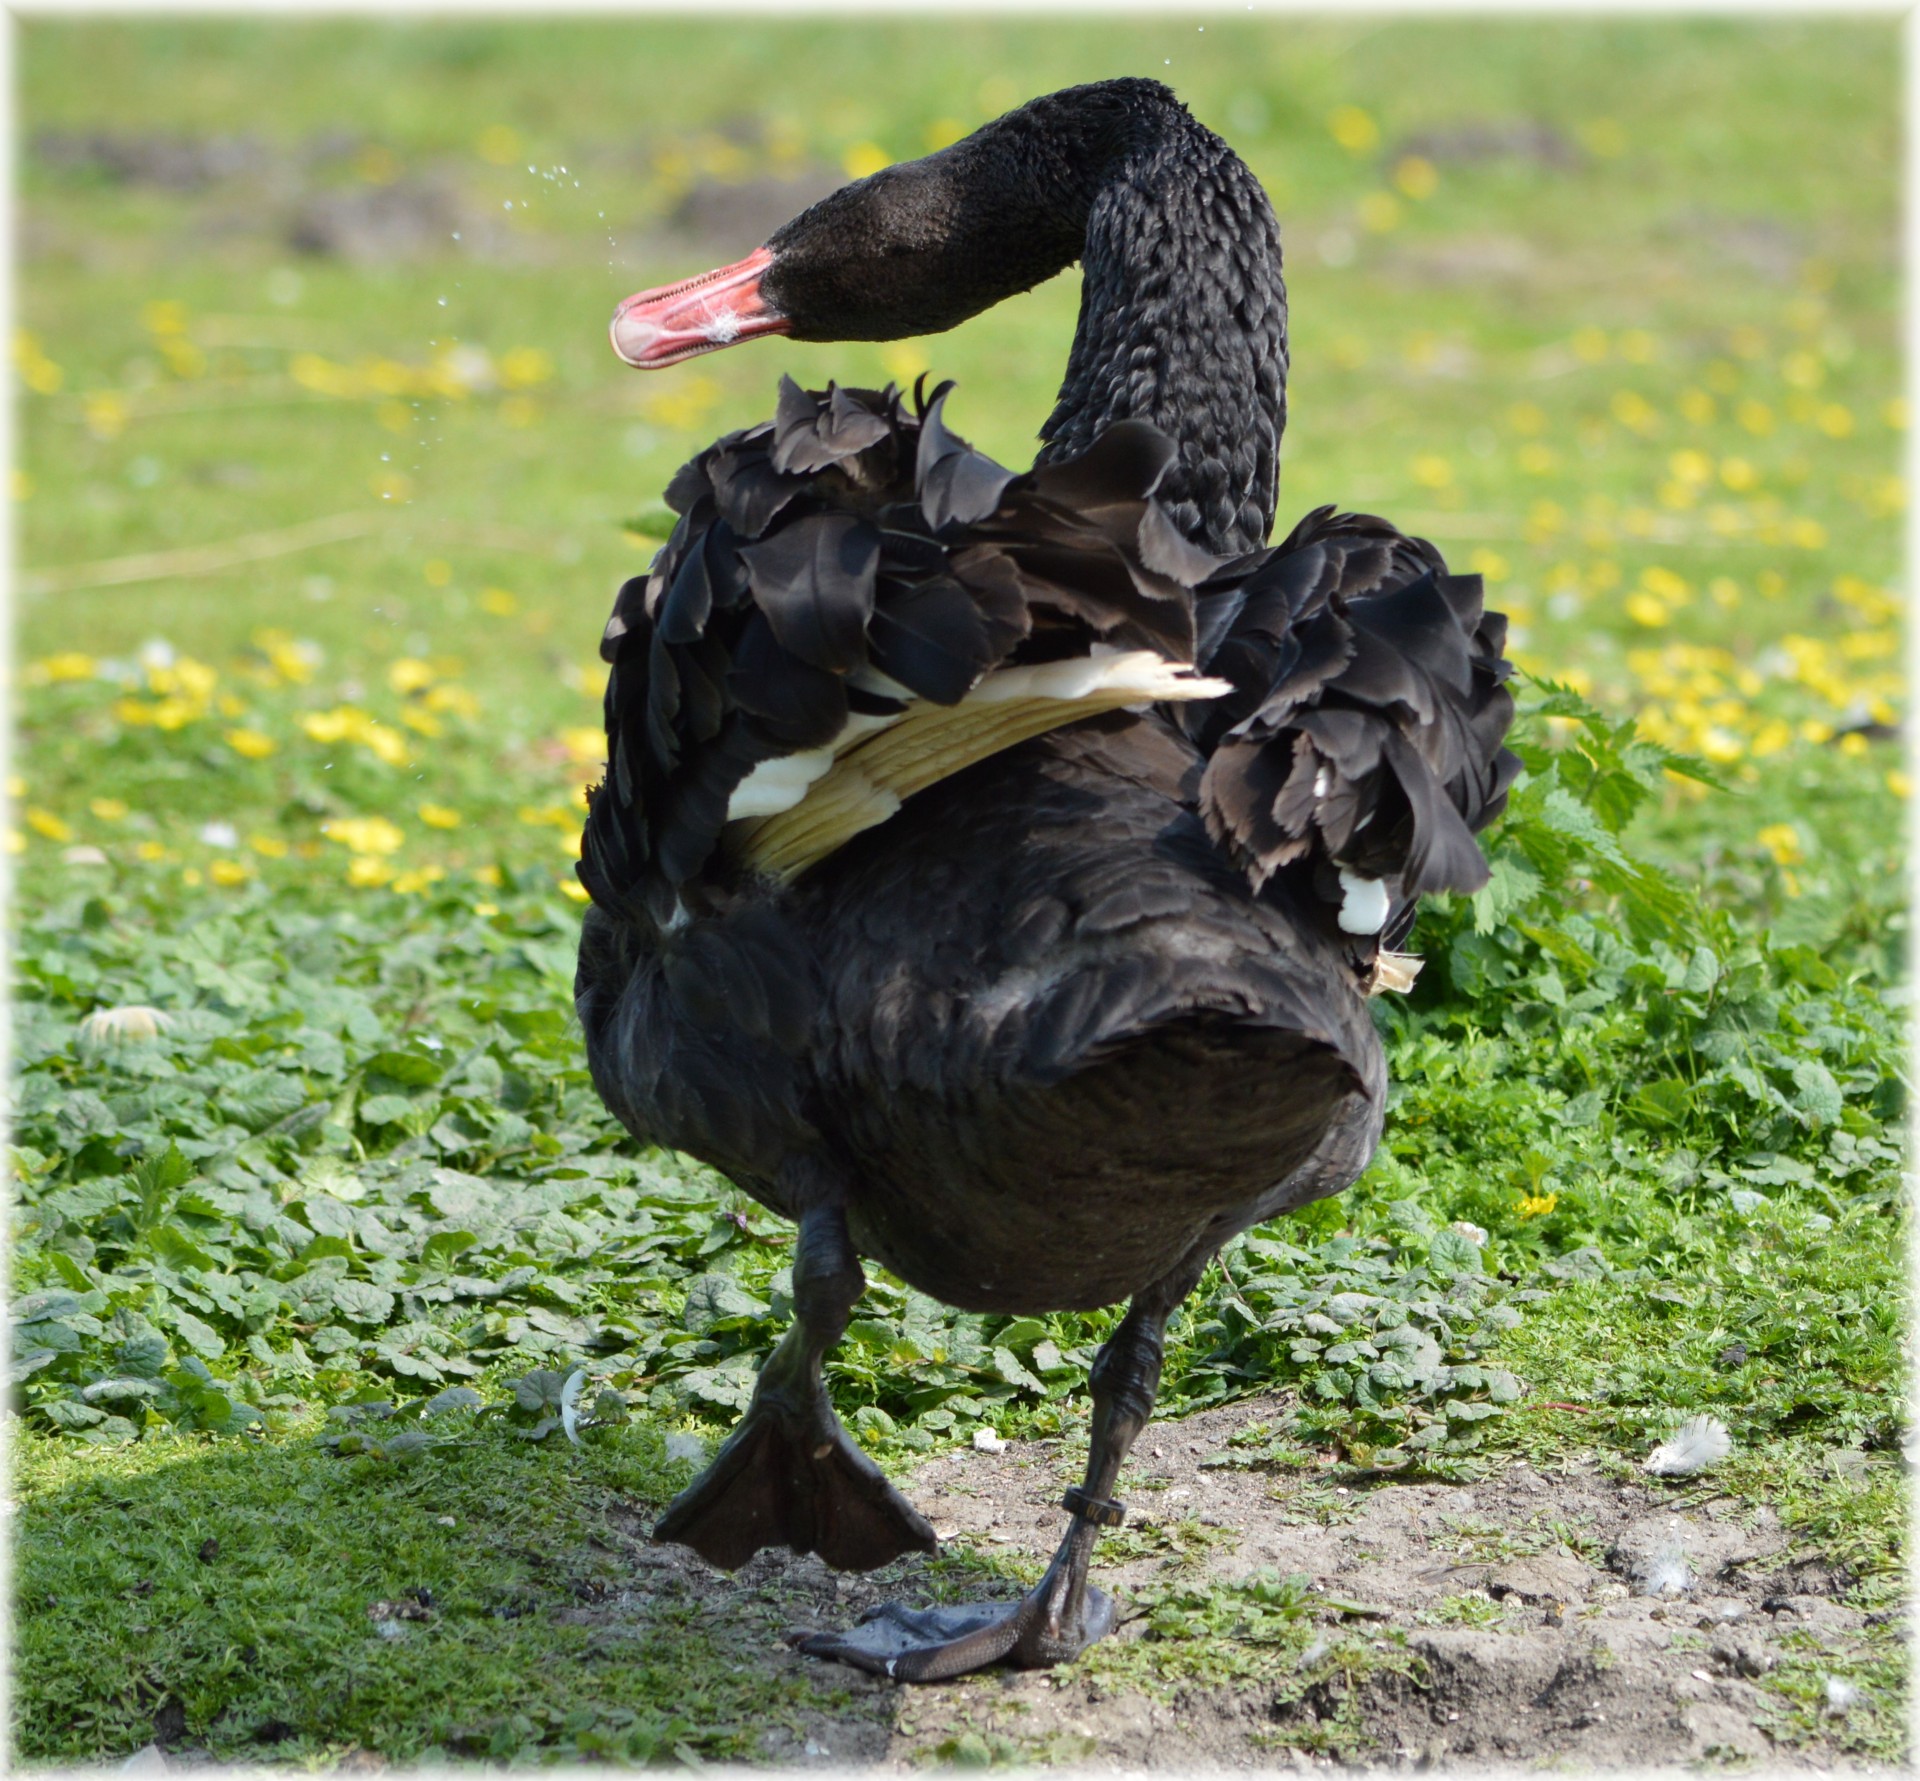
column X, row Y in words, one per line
column 854, row 605
column 1362, row 746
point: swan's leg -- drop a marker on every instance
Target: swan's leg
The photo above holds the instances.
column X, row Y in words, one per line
column 1063, row 1615
column 789, row 1475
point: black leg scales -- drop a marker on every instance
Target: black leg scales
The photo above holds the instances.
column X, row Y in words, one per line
column 789, row 1475
column 1064, row 1614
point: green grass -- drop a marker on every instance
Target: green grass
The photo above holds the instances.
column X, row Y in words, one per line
column 1644, row 382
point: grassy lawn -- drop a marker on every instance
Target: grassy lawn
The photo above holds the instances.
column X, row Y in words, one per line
column 326, row 477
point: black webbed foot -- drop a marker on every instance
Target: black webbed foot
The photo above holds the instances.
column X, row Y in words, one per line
column 1050, row 1626
column 794, row 1478
column 789, row 1475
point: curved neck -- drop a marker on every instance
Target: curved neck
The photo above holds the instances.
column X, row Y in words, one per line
column 1183, row 320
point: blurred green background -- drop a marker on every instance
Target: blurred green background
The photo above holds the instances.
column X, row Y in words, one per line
column 1608, row 308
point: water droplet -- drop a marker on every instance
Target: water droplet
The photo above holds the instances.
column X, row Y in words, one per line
column 441, row 301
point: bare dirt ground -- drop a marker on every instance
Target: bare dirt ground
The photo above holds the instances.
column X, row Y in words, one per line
column 1561, row 1618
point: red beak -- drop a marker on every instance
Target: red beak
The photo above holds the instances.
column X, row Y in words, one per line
column 676, row 321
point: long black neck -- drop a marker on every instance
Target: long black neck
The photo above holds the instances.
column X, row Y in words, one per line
column 1183, row 316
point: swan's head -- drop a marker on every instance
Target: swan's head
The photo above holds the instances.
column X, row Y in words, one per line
column 913, row 249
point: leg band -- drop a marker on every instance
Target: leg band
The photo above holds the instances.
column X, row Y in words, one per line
column 1099, row 1510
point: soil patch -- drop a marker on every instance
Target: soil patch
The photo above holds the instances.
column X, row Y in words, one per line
column 1561, row 1616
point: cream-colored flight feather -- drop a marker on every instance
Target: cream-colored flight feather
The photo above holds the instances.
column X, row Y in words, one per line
column 879, row 768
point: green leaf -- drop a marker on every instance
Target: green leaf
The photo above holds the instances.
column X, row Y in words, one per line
column 362, row 1302
column 1452, row 1253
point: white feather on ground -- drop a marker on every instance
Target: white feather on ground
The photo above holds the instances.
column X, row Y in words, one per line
column 1664, row 1573
column 1700, row 1443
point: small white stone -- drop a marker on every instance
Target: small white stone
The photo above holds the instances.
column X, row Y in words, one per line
column 986, row 1441
column 1840, row 1695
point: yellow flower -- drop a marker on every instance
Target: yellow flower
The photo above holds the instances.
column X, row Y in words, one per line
column 1894, row 413
column 1782, row 840
column 1808, row 534
column 366, row 870
column 1590, row 343
column 1755, row 416
column 498, row 144
column 585, row 742
column 489, row 876
column 1644, row 609
column 291, row 658
column 1491, row 564
column 1353, row 129
column 561, row 816
column 1527, row 417
column 523, row 366
column 268, row 847
column 1666, row 585
column 149, row 850
column 1537, row 459
column 229, row 872
column 254, row 745
column 408, row 674
column 392, row 486
column 437, row 571
column 1697, row 406
column 486, row 910
column 1638, row 347
column 16, row 842
column 1835, row 419
column 38, row 372
column 45, row 823
column 1692, row 467
column 326, row 726
column 1631, row 409
column 865, row 158
column 1379, row 212
column 1605, row 137
column 68, row 665
column 423, row 721
column 1899, row 784
column 191, row 877
column 105, row 412
column 574, row 889
column 1738, row 474
column 1803, row 370
column 453, row 698
column 499, row 602
column 412, row 883
column 364, row 834
column 1537, row 1205
column 903, row 361
column 1416, row 176
column 1431, row 471
column 109, row 809
column 439, row 816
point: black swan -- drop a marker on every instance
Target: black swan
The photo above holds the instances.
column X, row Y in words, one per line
column 991, row 869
